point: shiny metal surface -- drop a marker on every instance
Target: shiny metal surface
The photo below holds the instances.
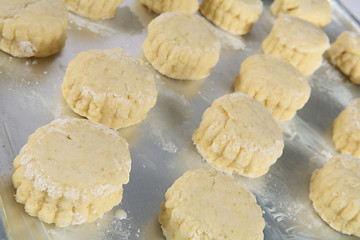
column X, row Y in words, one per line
column 161, row 146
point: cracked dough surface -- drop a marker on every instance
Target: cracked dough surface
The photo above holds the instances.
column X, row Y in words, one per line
column 180, row 45
column 299, row 42
column 160, row 6
column 71, row 171
column 237, row 134
column 32, row 28
column 275, row 83
column 317, row 12
column 234, row 16
column 335, row 193
column 94, row 9
column 344, row 53
column 206, row 204
column 109, row 87
column 346, row 129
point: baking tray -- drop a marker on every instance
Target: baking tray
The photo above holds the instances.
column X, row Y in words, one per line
column 161, row 146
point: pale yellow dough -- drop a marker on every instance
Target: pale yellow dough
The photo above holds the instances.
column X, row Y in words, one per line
column 346, row 129
column 109, row 87
column 344, row 53
column 71, row 171
column 317, row 12
column 206, row 204
column 275, row 83
column 234, row 16
column 180, row 45
column 299, row 42
column 32, row 28
column 238, row 135
column 335, row 193
column 94, row 9
column 160, row 6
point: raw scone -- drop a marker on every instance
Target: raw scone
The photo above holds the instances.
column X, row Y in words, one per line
column 346, row 129
column 109, row 87
column 317, row 12
column 299, row 42
column 234, row 16
column 274, row 82
column 206, row 204
column 180, row 45
column 335, row 193
column 344, row 53
column 71, row 171
column 94, row 9
column 32, row 28
column 160, row 6
column 237, row 134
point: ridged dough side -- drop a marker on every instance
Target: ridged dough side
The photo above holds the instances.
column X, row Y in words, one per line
column 334, row 191
column 236, row 17
column 346, row 129
column 178, row 52
column 36, row 29
column 160, row 6
column 94, row 9
column 243, row 145
column 344, row 53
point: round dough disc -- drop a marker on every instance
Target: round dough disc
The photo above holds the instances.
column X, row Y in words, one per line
column 237, row 134
column 207, row 204
column 109, row 87
column 335, row 193
column 71, row 171
column 32, row 28
column 94, row 9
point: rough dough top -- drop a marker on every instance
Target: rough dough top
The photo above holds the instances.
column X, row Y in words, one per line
column 213, row 204
column 184, row 30
column 276, row 75
column 251, row 4
column 350, row 42
column 76, row 158
column 299, row 34
column 351, row 119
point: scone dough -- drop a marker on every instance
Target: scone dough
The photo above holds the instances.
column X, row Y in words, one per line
column 180, row 45
column 234, row 16
column 94, row 9
column 274, row 82
column 109, row 87
column 160, row 6
column 346, row 129
column 335, row 193
column 32, row 28
column 299, row 42
column 344, row 53
column 237, row 134
column 71, row 171
column 206, row 204
column 317, row 12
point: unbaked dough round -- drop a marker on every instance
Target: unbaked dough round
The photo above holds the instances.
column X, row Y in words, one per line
column 346, row 129
column 180, row 45
column 237, row 134
column 109, row 87
column 335, row 193
column 344, row 53
column 94, row 9
column 299, row 42
column 317, row 12
column 275, row 83
column 206, row 204
column 234, row 16
column 160, row 6
column 32, row 28
column 71, row 171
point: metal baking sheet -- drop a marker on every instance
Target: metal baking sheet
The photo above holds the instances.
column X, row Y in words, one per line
column 161, row 146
